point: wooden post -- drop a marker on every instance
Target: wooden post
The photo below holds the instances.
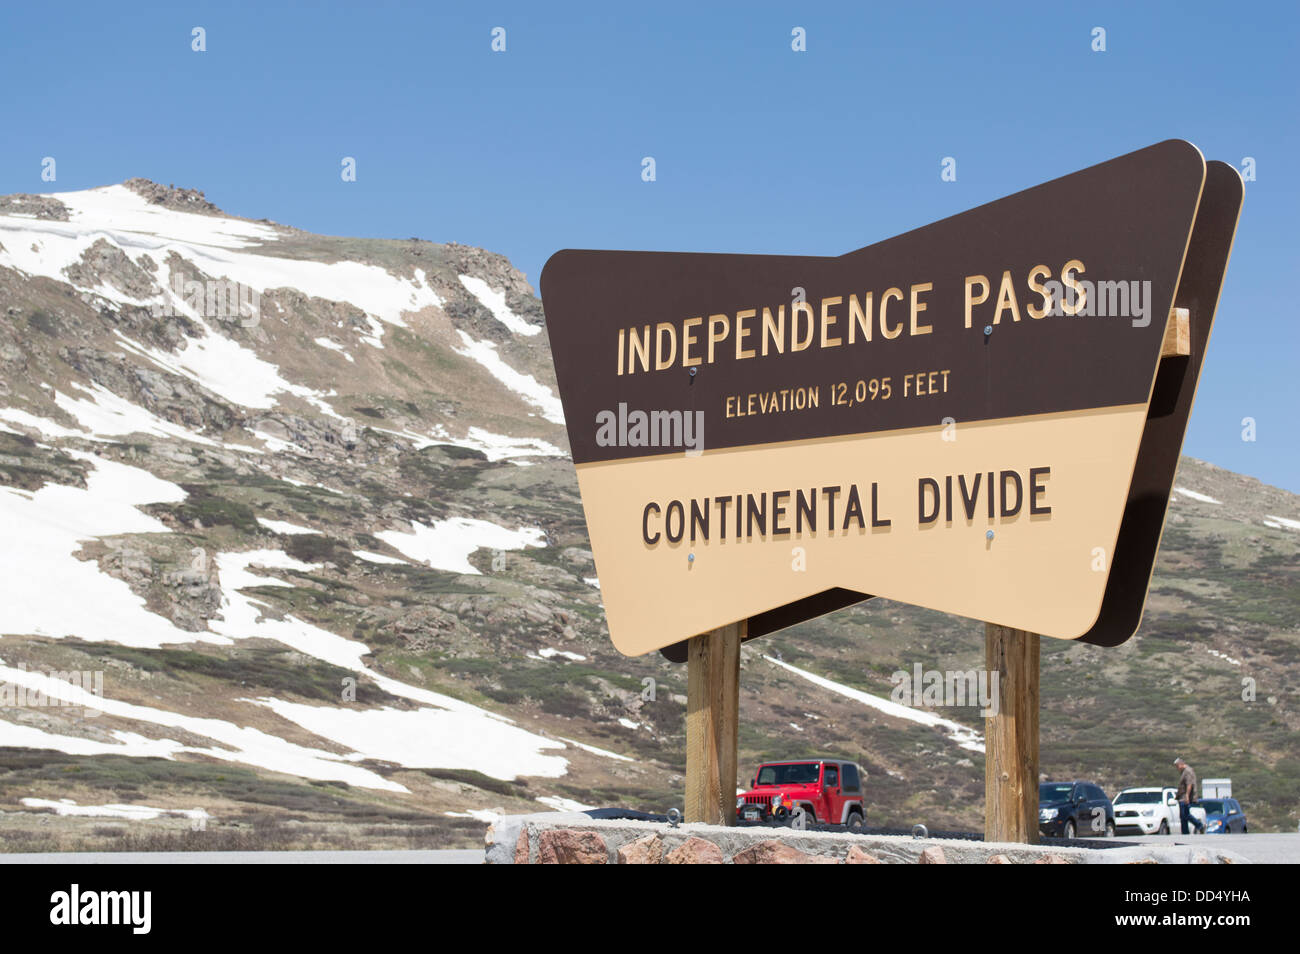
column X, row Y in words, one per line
column 1178, row 335
column 1011, row 737
column 712, row 724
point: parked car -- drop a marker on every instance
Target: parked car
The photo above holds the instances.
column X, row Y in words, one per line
column 1224, row 816
column 1150, row 811
column 1074, row 810
column 828, row 790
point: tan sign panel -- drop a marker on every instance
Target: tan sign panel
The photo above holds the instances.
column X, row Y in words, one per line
column 951, row 418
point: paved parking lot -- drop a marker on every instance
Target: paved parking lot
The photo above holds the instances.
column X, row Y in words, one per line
column 1273, row 848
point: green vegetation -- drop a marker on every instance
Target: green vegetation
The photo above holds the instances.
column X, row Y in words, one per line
column 125, row 779
column 212, row 510
column 518, row 789
column 43, row 322
column 274, row 671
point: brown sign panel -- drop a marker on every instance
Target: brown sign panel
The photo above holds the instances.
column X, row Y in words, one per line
column 950, row 418
column 1169, row 408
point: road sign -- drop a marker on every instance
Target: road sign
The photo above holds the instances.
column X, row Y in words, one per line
column 981, row 416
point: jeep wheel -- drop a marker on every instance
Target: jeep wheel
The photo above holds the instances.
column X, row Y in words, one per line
column 1068, row 834
column 1164, row 828
column 855, row 821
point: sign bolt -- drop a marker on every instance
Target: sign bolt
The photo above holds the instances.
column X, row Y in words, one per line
column 988, row 330
column 693, row 370
column 690, row 558
column 988, row 534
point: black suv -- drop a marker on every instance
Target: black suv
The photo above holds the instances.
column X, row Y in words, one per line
column 1074, row 810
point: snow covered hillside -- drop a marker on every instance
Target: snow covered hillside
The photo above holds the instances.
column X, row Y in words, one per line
column 200, row 411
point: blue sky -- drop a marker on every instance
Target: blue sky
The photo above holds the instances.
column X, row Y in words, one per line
column 757, row 148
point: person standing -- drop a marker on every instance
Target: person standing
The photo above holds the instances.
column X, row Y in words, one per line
column 1187, row 796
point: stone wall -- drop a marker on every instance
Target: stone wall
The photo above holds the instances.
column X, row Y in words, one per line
column 573, row 838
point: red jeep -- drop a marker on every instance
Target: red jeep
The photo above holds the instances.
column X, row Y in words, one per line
column 828, row 790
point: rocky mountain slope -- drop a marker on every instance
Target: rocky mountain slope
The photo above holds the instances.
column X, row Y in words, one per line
column 297, row 509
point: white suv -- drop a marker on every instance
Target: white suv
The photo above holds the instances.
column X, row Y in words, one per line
column 1150, row 811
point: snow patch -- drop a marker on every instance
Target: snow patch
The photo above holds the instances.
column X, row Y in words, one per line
column 105, row 414
column 44, row 529
column 447, row 544
column 481, row 814
column 212, row 244
column 1224, row 656
column 964, row 736
column 429, row 738
column 66, row 806
column 334, row 346
column 437, row 735
column 102, row 415
column 280, row 526
column 1195, row 496
column 494, row 447
column 222, row 366
column 377, row 557
column 550, row 653
column 524, row 385
column 45, row 426
column 116, row 209
column 130, row 744
column 499, row 447
column 233, row 743
column 563, row 804
column 594, row 750
column 495, row 302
